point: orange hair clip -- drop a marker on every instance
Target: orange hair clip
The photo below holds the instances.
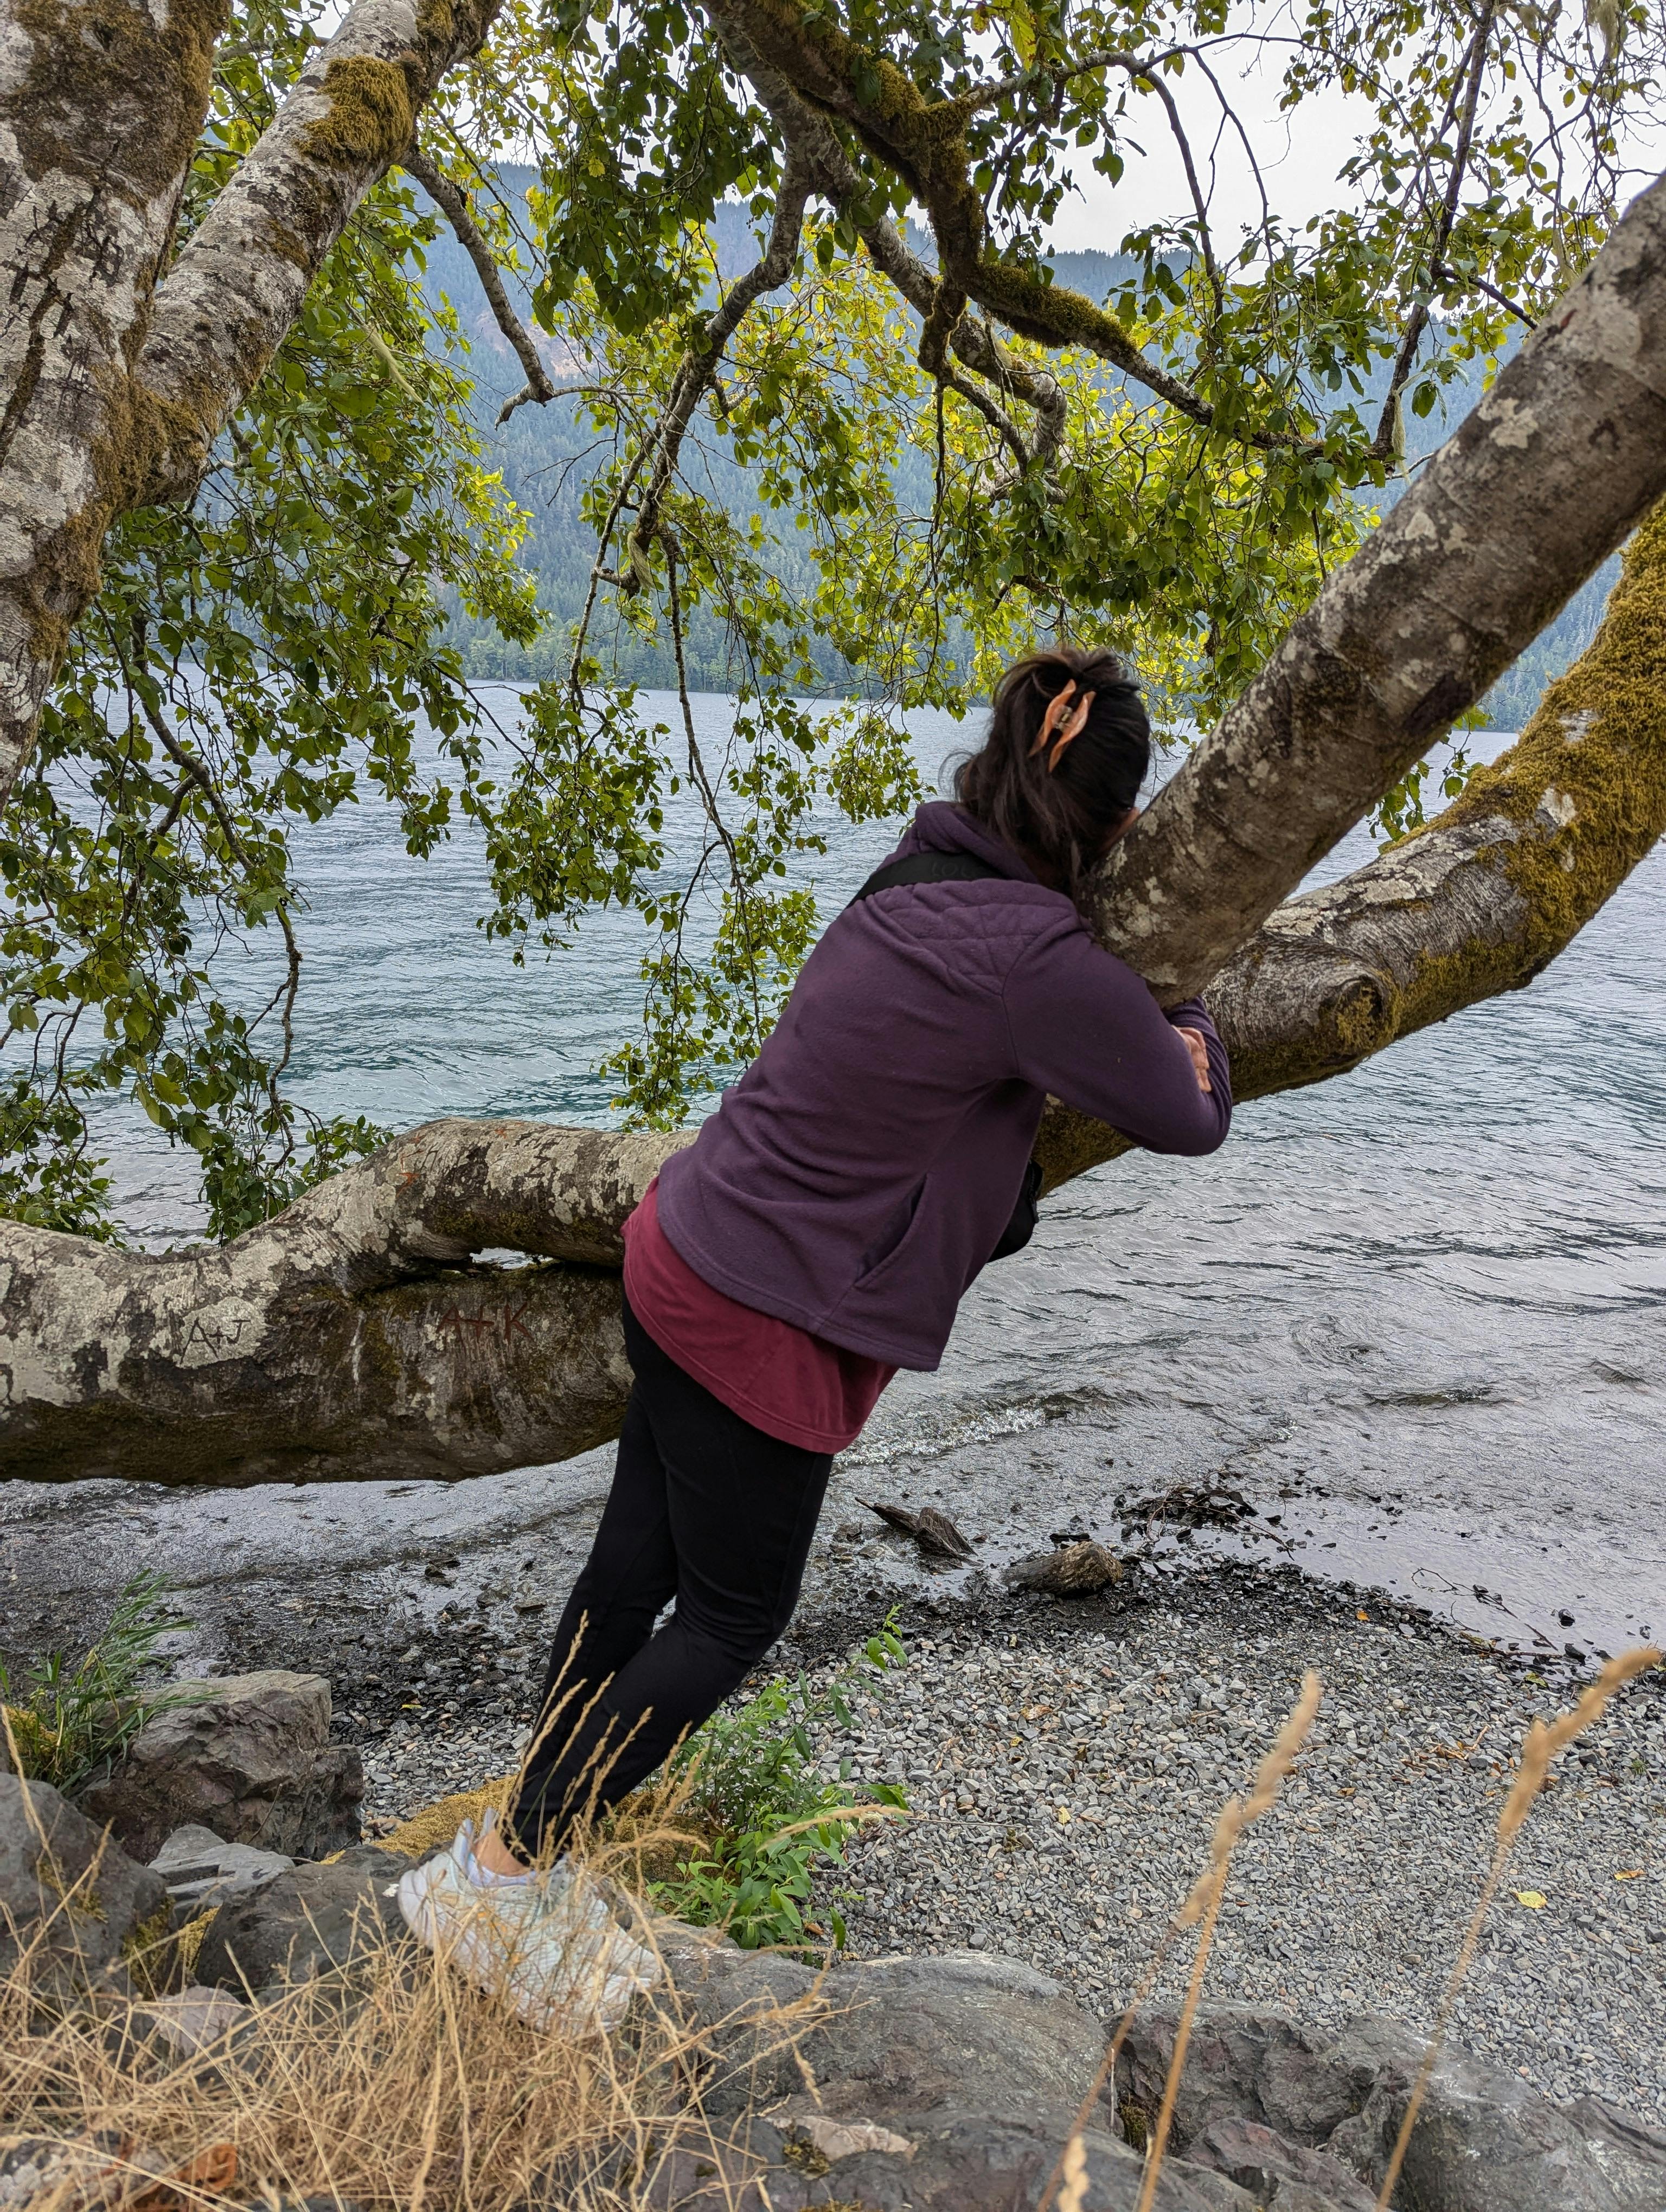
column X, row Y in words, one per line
column 1054, row 716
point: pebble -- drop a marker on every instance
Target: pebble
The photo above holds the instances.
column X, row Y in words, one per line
column 1064, row 1775
column 458, row 1719
column 1064, row 1790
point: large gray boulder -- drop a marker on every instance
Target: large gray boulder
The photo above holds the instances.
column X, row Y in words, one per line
column 961, row 2030
column 965, row 2031
column 979, row 2062
column 250, row 1757
column 954, row 2167
column 69, row 1895
column 313, row 1921
column 1484, row 2141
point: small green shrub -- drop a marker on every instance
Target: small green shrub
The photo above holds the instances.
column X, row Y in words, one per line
column 62, row 1722
column 779, row 1825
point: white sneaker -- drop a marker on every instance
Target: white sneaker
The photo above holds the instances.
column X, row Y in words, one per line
column 544, row 1944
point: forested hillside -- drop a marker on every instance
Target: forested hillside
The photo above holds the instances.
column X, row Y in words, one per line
column 546, row 453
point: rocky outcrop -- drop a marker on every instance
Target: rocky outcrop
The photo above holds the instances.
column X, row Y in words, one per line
column 203, row 1871
column 248, row 1757
column 938, row 2084
column 1258, row 2088
column 979, row 2064
column 972, row 2067
column 910, row 2034
column 70, row 1896
column 969, row 2164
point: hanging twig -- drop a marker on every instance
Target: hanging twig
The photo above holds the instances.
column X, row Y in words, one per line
column 1443, row 275
column 698, row 367
column 703, row 780
column 192, row 767
column 1418, row 321
column 450, row 196
column 1205, row 244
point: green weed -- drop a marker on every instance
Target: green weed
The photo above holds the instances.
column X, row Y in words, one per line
column 778, row 1827
column 62, row 1722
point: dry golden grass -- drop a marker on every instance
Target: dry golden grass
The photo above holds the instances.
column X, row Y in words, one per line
column 1540, row 1747
column 433, row 1828
column 394, row 2086
column 420, row 2095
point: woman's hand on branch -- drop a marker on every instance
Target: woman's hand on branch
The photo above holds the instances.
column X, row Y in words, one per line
column 1193, row 1041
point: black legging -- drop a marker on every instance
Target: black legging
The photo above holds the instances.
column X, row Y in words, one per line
column 705, row 1509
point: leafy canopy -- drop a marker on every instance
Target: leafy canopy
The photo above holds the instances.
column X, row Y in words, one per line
column 901, row 451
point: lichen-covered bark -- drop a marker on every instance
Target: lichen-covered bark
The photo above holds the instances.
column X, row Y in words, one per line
column 1547, row 475
column 1476, row 903
column 226, row 302
column 113, row 385
column 349, row 1337
column 100, row 105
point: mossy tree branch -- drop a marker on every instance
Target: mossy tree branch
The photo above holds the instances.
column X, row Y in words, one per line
column 119, row 377
column 1001, row 376
column 100, row 112
column 238, row 283
column 350, row 1336
column 348, row 1333
column 781, row 46
column 1479, row 902
column 1537, row 487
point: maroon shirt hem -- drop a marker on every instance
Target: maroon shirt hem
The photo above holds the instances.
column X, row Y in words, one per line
column 767, row 1370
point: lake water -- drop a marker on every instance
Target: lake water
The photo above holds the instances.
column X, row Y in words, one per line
column 1418, row 1312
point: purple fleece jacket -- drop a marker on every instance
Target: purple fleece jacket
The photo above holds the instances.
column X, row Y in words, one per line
column 856, row 1178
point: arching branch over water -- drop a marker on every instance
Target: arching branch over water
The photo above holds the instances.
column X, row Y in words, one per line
column 342, row 1340
column 350, row 1335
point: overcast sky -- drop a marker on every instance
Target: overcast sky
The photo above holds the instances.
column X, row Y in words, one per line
column 1299, row 155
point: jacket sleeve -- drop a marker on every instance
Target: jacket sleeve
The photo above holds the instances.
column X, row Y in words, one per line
column 1086, row 1029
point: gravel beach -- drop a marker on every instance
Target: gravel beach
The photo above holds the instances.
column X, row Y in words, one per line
column 1064, row 1762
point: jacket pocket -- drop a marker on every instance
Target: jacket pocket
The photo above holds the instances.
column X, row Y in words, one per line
column 899, row 1235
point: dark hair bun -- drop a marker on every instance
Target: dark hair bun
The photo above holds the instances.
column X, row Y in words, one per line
column 1055, row 806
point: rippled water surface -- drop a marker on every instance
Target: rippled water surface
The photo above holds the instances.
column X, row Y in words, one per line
column 1427, row 1300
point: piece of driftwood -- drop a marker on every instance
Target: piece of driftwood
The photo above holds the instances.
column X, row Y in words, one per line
column 1074, row 1570
column 896, row 1516
column 934, row 1533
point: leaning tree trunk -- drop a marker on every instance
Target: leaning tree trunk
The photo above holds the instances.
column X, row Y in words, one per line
column 348, row 1337
column 118, row 370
